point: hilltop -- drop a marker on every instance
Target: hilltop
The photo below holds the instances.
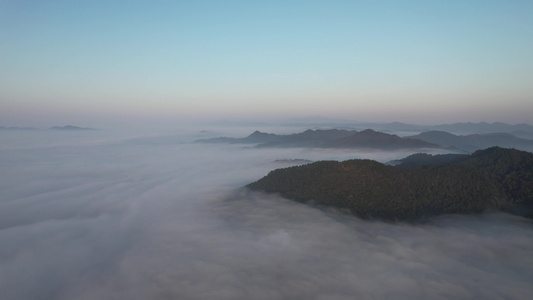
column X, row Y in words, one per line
column 417, row 187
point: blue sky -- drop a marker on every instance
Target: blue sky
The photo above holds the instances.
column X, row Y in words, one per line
column 412, row 61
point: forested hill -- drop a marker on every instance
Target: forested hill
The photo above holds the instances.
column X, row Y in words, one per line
column 494, row 178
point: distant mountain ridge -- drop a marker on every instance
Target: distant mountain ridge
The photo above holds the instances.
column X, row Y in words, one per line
column 483, row 127
column 374, row 139
column 70, row 127
column 419, row 187
column 368, row 138
column 473, row 142
column 520, row 130
column 459, row 128
column 329, row 138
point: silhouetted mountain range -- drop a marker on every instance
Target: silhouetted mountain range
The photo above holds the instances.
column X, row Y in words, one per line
column 330, row 138
column 473, row 142
column 373, row 139
column 520, row 130
column 420, row 186
column 458, row 128
column 483, row 127
column 341, row 138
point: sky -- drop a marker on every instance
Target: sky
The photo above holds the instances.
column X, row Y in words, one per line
column 424, row 62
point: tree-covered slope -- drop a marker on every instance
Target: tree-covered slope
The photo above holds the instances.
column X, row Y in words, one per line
column 495, row 178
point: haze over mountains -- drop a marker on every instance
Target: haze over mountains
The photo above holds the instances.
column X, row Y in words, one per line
column 473, row 142
column 70, row 127
column 332, row 138
column 117, row 182
column 520, row 130
column 368, row 138
column 85, row 212
column 322, row 122
column 381, row 135
column 66, row 127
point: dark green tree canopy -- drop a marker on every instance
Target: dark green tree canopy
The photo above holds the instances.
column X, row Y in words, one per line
column 419, row 186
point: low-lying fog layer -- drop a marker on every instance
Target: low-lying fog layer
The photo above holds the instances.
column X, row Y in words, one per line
column 86, row 215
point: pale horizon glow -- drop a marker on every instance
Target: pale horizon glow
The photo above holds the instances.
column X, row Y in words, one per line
column 422, row 62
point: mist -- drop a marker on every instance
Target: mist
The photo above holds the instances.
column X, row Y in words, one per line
column 129, row 215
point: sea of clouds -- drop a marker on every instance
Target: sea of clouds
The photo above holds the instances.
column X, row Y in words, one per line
column 114, row 215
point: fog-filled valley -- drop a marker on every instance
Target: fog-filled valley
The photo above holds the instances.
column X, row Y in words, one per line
column 152, row 215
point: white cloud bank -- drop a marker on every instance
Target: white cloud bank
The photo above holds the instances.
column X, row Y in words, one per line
column 95, row 217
